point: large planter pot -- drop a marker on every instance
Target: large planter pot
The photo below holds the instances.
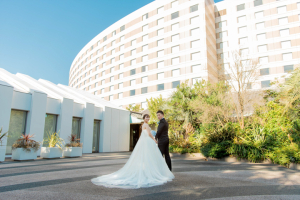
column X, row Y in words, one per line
column 51, row 152
column 2, row 154
column 72, row 152
column 21, row 154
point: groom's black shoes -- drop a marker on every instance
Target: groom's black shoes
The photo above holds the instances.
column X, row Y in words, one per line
column 163, row 140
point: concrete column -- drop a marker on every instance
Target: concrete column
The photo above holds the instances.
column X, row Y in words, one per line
column 87, row 126
column 64, row 120
column 36, row 116
column 6, row 92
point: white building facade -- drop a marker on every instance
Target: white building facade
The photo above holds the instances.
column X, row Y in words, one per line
column 157, row 47
column 39, row 107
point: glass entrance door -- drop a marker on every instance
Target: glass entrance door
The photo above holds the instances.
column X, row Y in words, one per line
column 96, row 136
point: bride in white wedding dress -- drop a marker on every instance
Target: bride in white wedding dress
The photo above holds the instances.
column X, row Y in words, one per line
column 145, row 168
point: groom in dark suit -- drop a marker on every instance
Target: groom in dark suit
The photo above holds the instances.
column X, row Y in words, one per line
column 163, row 138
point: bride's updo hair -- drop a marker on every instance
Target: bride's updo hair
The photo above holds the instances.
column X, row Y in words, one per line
column 146, row 115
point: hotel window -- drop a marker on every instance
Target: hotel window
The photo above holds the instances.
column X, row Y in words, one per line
column 175, row 84
column 133, row 62
column 263, row 60
column 288, row 68
column 133, row 52
column 132, row 82
column 145, row 16
column 160, row 53
column 242, row 19
column 104, row 56
column 160, row 64
column 175, row 61
column 113, row 51
column 113, row 33
column 133, row 42
column 195, row 32
column 96, row 76
column 260, row 25
column 261, row 37
column 160, row 10
column 194, row 44
column 120, row 95
column 284, row 32
column 121, row 57
column 144, row 90
column 242, row 29
column 103, row 82
column 144, row 105
column 194, row 8
column 160, row 76
column 240, row 7
column 132, row 72
column 132, row 92
column 145, row 37
column 122, row 28
column 262, row 48
column 264, row 71
column 175, row 37
column 160, row 42
column 120, row 75
column 105, row 38
column 259, row 15
column 285, row 44
column 175, row 27
column 102, row 91
column 112, row 78
column 175, row 49
column 104, row 47
column 244, row 52
column 223, row 34
column 160, row 87
column 265, row 84
column 145, row 79
column 112, row 69
column 120, row 85
column 91, row 56
column 195, row 80
column 122, row 38
column 283, row 21
column 287, row 56
column 111, row 88
column 90, row 87
column 98, row 43
column 85, row 75
column 121, row 66
column 122, row 47
column 174, row 4
column 160, row 21
column 145, row 27
column 111, row 97
column 196, row 68
column 160, row 31
column 144, row 58
column 175, row 72
column 195, row 20
column 50, row 125
column 112, row 60
column 97, row 60
column 298, row 5
column 145, row 47
column 175, row 15
column 258, row 2
column 195, row 56
column 243, row 40
column 281, row 9
column 144, row 68
column 95, row 93
column 222, row 24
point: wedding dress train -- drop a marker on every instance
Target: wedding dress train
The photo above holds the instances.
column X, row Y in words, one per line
column 145, row 168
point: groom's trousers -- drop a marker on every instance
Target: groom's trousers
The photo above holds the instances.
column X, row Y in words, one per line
column 163, row 146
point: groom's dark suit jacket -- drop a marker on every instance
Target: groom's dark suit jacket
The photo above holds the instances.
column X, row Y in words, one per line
column 162, row 130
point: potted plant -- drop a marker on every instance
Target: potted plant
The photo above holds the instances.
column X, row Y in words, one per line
column 25, row 148
column 73, row 148
column 54, row 149
column 2, row 149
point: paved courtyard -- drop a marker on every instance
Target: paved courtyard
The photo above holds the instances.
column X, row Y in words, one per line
column 194, row 179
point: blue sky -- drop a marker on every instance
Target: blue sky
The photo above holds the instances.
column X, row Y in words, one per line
column 41, row 38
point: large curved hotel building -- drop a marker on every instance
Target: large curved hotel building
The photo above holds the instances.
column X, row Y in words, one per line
column 154, row 49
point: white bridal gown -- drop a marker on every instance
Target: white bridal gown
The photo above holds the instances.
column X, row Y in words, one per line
column 145, row 168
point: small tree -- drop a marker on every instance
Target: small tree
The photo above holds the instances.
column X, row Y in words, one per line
column 136, row 108
column 241, row 72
